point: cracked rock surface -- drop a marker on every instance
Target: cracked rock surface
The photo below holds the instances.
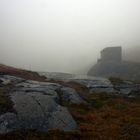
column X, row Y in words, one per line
column 36, row 106
column 96, row 84
column 70, row 96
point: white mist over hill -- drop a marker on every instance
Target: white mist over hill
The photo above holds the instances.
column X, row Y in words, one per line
column 66, row 35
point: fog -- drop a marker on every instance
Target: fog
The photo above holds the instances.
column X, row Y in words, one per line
column 66, row 35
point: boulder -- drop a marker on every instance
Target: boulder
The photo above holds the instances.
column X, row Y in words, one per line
column 96, row 84
column 127, row 88
column 35, row 110
column 70, row 95
column 45, row 88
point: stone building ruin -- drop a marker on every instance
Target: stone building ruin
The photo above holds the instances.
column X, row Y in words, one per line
column 111, row 64
column 111, row 54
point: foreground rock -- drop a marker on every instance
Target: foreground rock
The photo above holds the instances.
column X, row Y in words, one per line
column 69, row 95
column 36, row 106
column 35, row 110
column 126, row 88
column 99, row 85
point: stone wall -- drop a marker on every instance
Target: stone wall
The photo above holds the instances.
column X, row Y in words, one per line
column 111, row 65
column 111, row 54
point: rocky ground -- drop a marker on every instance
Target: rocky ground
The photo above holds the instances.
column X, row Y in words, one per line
column 74, row 108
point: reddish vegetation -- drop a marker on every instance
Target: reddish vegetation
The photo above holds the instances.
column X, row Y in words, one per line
column 116, row 119
column 21, row 73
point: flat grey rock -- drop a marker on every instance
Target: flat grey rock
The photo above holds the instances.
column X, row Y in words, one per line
column 96, row 84
column 40, row 87
column 36, row 84
column 70, row 95
column 37, row 104
column 8, row 123
column 35, row 110
column 125, row 87
column 37, row 107
column 61, row 120
column 8, row 79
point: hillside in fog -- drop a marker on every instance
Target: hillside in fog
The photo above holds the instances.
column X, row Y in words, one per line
column 112, row 64
column 69, row 69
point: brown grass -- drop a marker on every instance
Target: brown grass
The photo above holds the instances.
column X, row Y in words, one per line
column 117, row 119
column 29, row 75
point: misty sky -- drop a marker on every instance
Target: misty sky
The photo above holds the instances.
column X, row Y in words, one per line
column 66, row 35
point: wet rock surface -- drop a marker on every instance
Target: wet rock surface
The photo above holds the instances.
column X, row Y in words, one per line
column 96, row 84
column 8, row 123
column 8, row 79
column 35, row 110
column 127, row 88
column 70, row 96
column 37, row 105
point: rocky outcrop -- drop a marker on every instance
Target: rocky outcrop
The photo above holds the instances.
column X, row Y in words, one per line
column 101, row 85
column 8, row 79
column 96, row 84
column 36, row 111
column 69, row 95
column 126, row 88
column 8, row 123
column 38, row 105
